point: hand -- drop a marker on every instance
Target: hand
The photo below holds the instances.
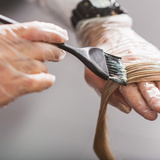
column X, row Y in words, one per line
column 143, row 97
column 146, row 96
column 23, row 49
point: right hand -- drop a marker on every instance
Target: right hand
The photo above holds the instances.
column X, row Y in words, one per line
column 23, row 49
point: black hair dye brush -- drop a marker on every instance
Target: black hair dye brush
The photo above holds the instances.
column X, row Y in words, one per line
column 102, row 64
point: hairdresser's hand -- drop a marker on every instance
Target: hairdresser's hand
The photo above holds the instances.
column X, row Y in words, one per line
column 22, row 53
column 143, row 97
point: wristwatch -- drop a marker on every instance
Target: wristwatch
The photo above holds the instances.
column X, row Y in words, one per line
column 87, row 9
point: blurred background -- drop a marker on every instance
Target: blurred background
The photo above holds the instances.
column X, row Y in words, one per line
column 59, row 123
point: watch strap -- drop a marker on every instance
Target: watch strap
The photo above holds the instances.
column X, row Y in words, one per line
column 86, row 10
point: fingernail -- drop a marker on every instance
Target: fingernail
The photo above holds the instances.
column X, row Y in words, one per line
column 51, row 80
column 51, row 77
column 63, row 54
column 150, row 115
column 126, row 109
column 59, row 56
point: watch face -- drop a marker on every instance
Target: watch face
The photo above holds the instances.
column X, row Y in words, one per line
column 102, row 3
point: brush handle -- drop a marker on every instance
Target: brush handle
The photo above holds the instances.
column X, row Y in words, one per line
column 87, row 57
column 80, row 53
column 67, row 48
column 6, row 20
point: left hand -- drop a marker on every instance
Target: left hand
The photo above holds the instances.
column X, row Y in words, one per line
column 143, row 97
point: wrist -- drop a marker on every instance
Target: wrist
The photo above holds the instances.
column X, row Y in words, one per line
column 98, row 31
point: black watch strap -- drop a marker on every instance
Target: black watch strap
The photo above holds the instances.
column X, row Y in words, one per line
column 86, row 10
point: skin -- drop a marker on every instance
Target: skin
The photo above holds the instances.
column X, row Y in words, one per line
column 23, row 50
column 122, row 41
column 143, row 97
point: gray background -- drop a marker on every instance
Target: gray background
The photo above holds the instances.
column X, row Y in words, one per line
column 59, row 123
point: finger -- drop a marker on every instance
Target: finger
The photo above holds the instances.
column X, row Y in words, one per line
column 28, row 65
column 40, row 82
column 151, row 94
column 35, row 83
column 40, row 31
column 25, row 84
column 118, row 101
column 37, row 50
column 43, row 51
column 135, row 99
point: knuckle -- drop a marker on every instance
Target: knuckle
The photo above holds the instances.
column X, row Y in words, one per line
column 35, row 66
column 39, row 67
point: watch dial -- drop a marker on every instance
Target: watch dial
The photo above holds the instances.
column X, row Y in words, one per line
column 101, row 3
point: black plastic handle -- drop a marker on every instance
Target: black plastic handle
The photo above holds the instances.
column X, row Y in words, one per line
column 80, row 53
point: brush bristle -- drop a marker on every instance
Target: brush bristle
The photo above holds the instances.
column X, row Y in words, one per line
column 117, row 70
